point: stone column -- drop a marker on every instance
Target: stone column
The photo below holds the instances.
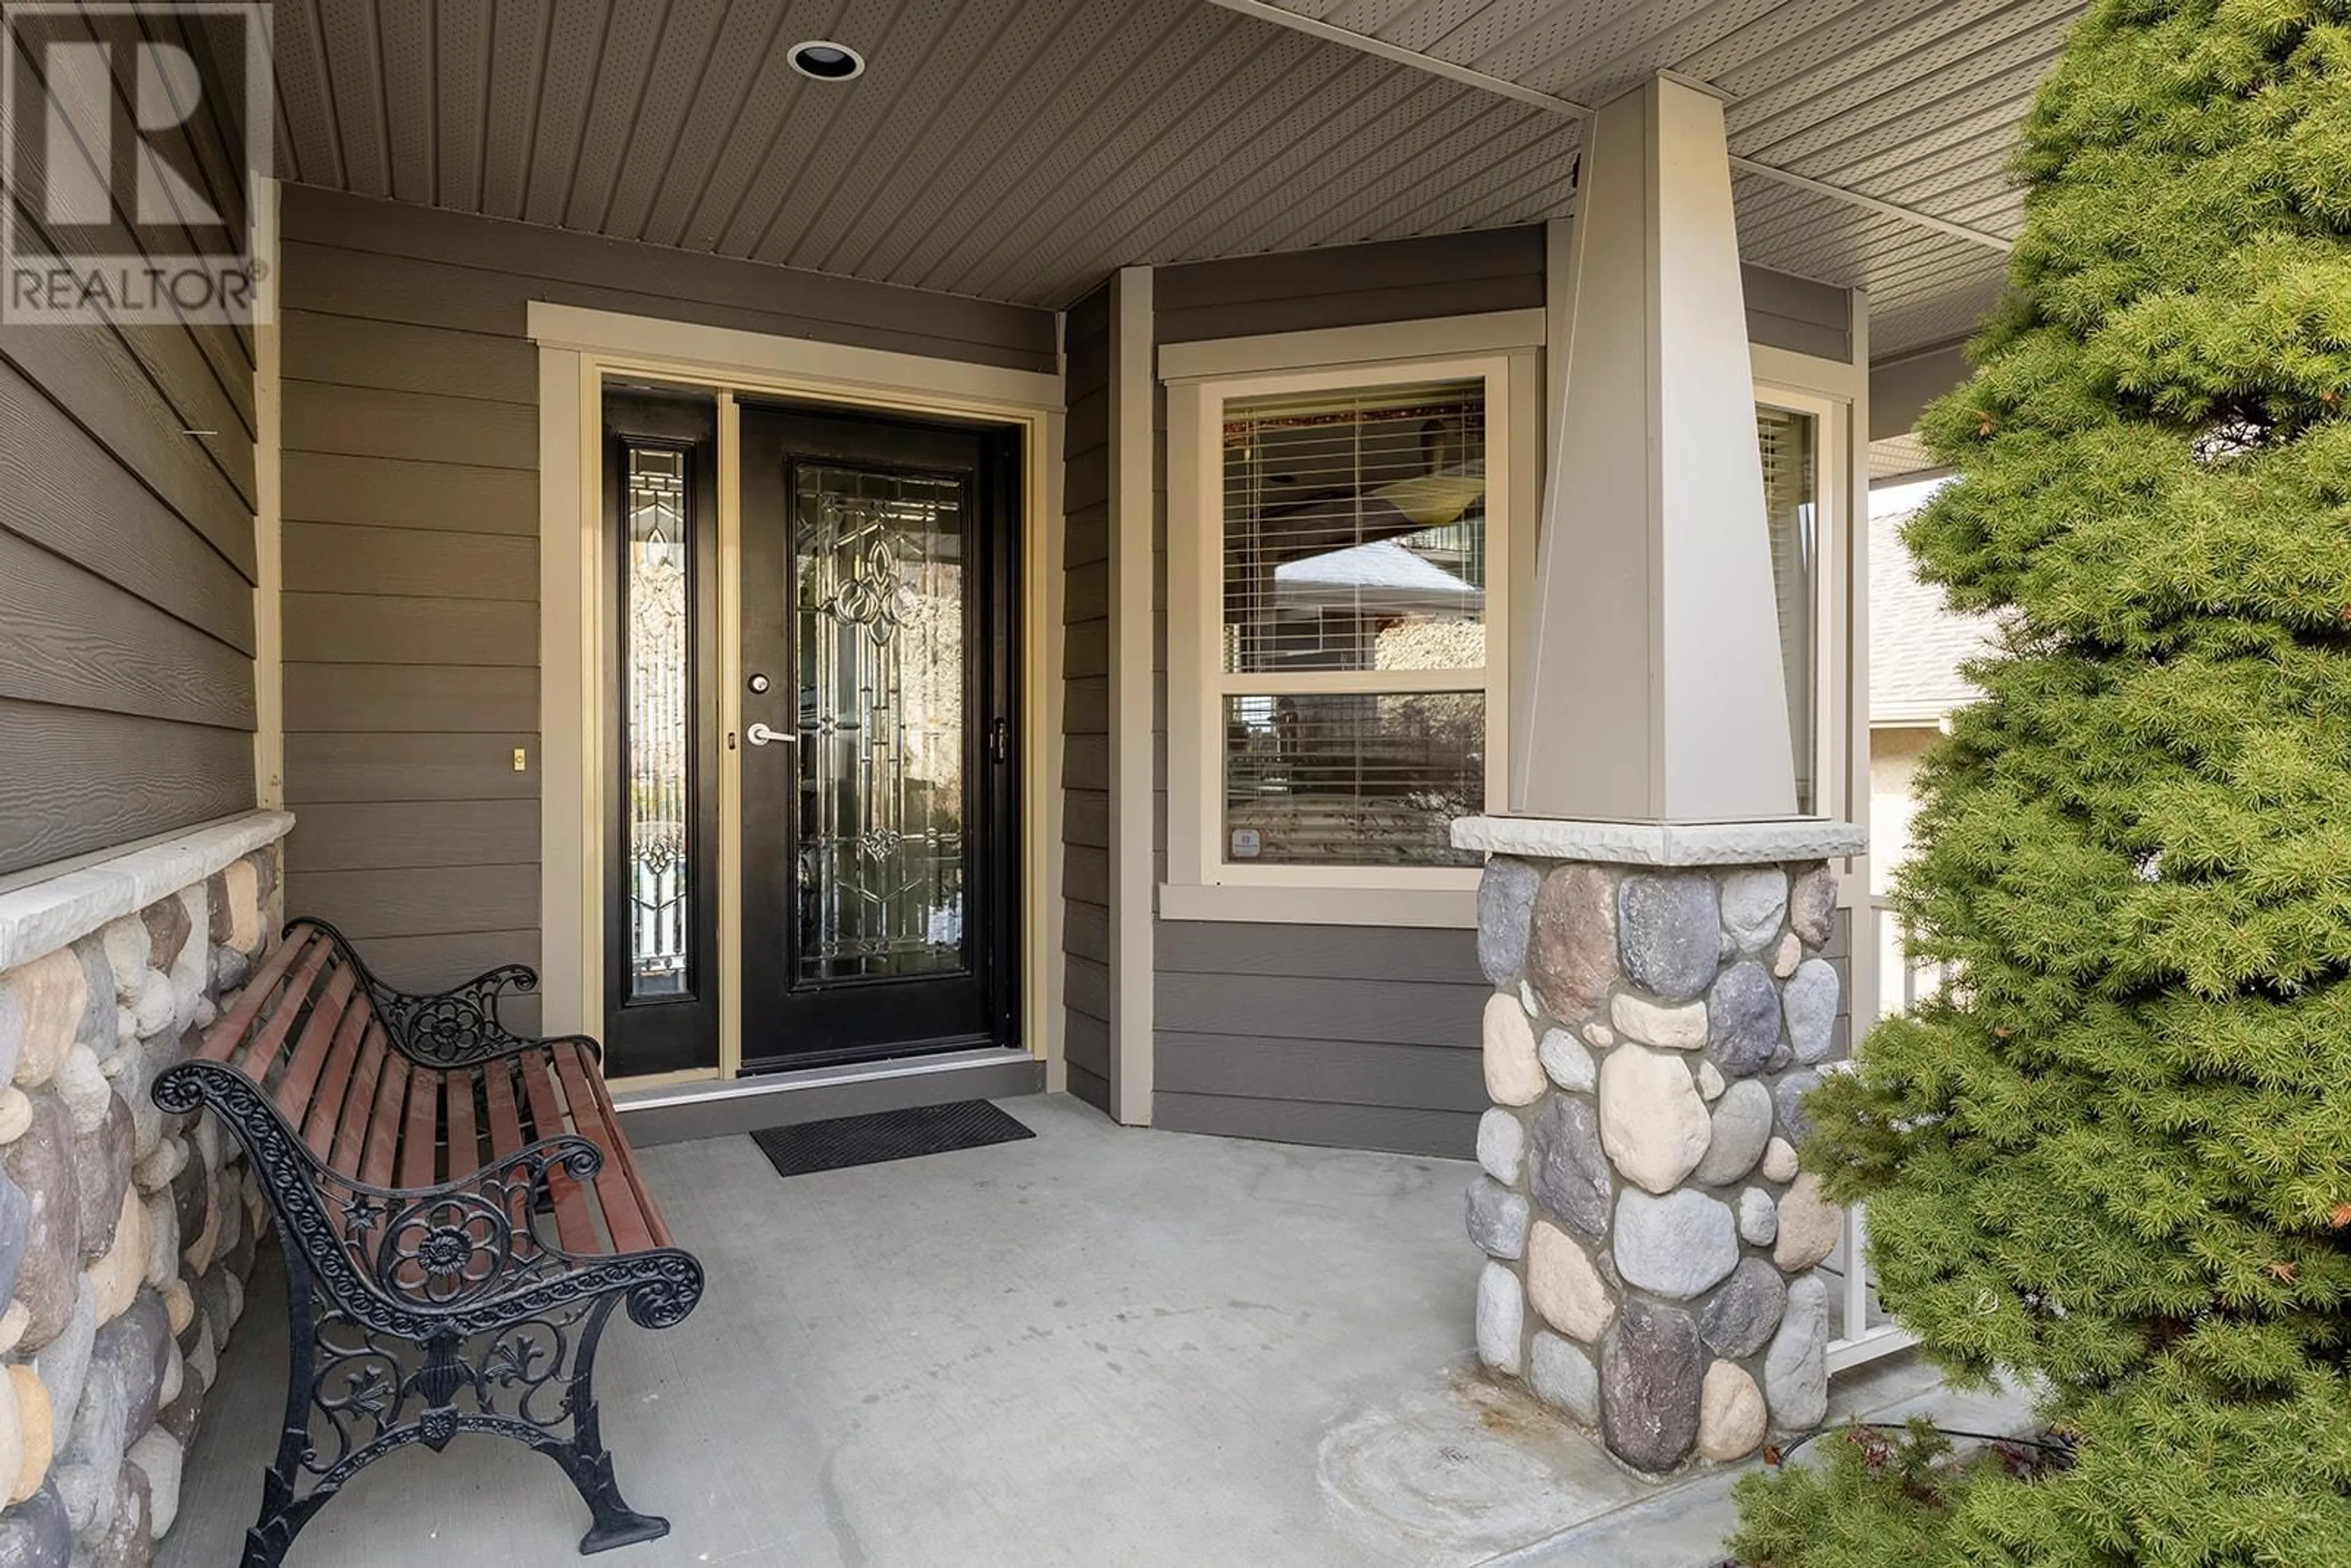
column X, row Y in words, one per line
column 126, row 1235
column 1661, row 1007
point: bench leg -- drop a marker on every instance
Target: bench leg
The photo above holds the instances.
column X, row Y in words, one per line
column 350, row 1398
column 589, row 1463
column 283, row 1512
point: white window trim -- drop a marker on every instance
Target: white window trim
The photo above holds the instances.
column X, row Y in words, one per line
column 1201, row 884
column 1831, row 414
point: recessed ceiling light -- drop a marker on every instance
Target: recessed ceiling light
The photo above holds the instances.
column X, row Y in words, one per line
column 826, row 60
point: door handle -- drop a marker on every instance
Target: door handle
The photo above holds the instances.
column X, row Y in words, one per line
column 760, row 735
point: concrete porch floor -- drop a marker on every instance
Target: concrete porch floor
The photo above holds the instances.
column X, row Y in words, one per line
column 1099, row 1347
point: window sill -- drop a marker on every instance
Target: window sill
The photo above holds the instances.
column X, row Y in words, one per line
column 1441, row 907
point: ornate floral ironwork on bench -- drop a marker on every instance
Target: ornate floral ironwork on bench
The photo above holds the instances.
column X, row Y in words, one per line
column 459, row 1213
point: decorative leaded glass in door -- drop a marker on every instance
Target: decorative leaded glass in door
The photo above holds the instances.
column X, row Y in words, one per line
column 880, row 757
column 657, row 736
column 878, row 562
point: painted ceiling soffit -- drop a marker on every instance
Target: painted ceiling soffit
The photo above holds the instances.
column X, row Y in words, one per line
column 1314, row 27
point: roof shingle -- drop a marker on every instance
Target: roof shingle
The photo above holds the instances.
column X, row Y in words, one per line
column 1916, row 645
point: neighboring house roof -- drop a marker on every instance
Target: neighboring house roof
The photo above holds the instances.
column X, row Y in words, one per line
column 1916, row 645
column 1383, row 577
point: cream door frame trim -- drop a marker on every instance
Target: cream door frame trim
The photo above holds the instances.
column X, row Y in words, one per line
column 268, row 515
column 571, row 964
column 758, row 360
column 577, row 349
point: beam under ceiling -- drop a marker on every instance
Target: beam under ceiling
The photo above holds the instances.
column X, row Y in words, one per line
column 1314, row 27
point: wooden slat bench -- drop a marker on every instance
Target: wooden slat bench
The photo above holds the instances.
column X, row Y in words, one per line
column 460, row 1213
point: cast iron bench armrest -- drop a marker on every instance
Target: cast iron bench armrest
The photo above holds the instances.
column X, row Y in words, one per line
column 455, row 1027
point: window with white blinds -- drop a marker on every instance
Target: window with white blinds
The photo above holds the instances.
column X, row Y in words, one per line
column 1791, row 447
column 1354, row 626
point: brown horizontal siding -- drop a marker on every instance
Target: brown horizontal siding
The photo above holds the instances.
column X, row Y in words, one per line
column 427, row 963
column 78, row 641
column 445, row 498
column 412, row 427
column 1334, row 1072
column 80, row 779
column 93, row 376
column 1326, row 952
column 407, row 698
column 392, row 356
column 436, row 963
column 66, row 493
column 408, row 767
column 1319, row 1034
column 1452, row 1134
column 1447, row 274
column 1797, row 314
column 414, row 563
column 1351, row 286
column 358, row 628
column 678, row 284
column 1086, row 871
column 127, row 552
column 411, row 494
column 1086, row 933
column 1424, row 1013
column 436, row 901
column 404, row 835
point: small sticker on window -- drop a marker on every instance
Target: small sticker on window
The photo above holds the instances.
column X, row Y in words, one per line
column 1244, row 843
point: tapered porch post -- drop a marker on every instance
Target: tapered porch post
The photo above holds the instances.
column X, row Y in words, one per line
column 1654, row 916
column 1655, row 692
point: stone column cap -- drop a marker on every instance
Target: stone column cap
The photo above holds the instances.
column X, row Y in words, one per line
column 1764, row 843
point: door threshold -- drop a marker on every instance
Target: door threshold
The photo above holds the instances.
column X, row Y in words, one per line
column 675, row 1113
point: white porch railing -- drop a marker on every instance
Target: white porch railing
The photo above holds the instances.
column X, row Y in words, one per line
column 1886, row 980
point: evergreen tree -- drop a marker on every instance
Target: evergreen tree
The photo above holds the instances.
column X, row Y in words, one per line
column 2114, row 1157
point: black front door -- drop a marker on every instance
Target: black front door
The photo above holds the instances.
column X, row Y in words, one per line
column 880, row 854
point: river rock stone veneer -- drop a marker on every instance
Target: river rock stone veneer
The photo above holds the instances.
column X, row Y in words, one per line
column 126, row 1235
column 1650, row 1244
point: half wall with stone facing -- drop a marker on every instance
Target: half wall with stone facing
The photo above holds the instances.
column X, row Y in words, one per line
column 126, row 1235
column 1653, row 1029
